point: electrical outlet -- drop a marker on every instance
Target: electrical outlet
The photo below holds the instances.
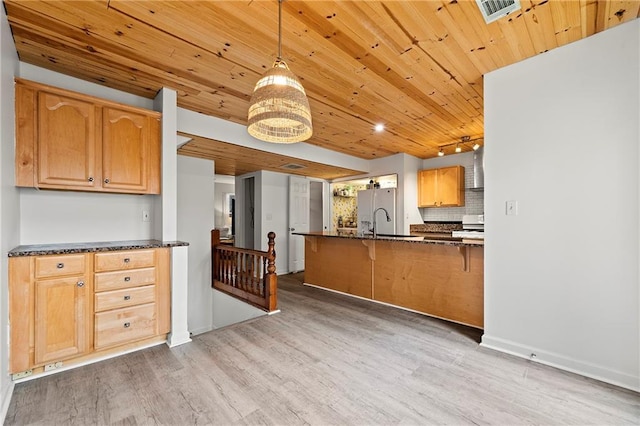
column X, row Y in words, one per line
column 511, row 208
column 145, row 216
column 53, row 366
column 21, row 374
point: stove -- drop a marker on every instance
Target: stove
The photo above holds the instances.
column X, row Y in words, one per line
column 472, row 227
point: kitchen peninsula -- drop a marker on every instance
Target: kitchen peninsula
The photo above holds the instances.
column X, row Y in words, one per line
column 443, row 278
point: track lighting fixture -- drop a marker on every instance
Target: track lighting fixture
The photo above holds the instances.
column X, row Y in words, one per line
column 464, row 141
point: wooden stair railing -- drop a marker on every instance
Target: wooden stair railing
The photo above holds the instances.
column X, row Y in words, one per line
column 249, row 275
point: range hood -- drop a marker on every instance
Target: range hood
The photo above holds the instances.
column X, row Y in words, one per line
column 478, row 170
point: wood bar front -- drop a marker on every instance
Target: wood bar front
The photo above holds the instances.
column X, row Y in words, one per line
column 340, row 264
column 441, row 280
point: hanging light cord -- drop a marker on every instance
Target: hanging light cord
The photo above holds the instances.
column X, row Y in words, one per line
column 280, row 30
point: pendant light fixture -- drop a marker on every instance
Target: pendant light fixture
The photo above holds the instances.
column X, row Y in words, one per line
column 279, row 110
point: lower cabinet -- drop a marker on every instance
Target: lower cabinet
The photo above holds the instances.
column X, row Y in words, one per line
column 65, row 307
column 61, row 319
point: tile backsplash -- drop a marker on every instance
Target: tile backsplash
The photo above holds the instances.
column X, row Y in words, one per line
column 473, row 202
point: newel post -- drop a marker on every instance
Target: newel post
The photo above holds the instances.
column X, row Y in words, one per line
column 215, row 256
column 272, row 278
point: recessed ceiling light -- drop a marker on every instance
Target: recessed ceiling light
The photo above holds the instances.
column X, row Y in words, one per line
column 379, row 127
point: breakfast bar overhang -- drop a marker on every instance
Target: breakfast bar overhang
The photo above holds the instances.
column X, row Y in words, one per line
column 440, row 278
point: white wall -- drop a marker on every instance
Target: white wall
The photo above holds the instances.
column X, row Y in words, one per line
column 166, row 208
column 208, row 308
column 226, row 131
column 473, row 200
column 60, row 216
column 195, row 222
column 410, row 184
column 406, row 167
column 71, row 217
column 274, row 216
column 227, row 310
column 45, row 76
column 561, row 276
column 9, row 198
column 166, row 218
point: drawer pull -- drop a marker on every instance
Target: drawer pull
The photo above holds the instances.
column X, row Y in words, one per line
column 127, row 279
column 107, row 180
column 127, row 297
column 60, row 265
column 127, row 260
column 127, row 324
column 80, row 284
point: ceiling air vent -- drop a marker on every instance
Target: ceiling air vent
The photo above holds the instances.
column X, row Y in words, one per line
column 496, row 9
column 292, row 166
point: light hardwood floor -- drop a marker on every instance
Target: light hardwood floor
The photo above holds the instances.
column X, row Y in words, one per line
column 325, row 359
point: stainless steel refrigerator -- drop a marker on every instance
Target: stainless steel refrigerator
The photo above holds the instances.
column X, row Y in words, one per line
column 371, row 199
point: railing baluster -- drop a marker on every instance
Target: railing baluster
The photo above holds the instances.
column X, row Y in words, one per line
column 243, row 273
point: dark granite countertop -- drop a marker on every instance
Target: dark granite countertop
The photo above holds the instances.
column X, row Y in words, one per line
column 70, row 248
column 418, row 239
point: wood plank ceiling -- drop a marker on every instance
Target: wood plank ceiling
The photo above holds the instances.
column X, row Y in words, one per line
column 415, row 66
column 236, row 160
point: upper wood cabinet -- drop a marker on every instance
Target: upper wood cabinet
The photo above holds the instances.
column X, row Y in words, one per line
column 66, row 140
column 442, row 187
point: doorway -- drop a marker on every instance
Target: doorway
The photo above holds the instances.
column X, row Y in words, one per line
column 248, row 216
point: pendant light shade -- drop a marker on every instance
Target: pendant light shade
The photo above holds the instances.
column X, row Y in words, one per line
column 279, row 109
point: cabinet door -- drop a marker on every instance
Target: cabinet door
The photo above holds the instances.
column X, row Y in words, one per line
column 61, row 319
column 451, row 186
column 427, row 188
column 125, row 149
column 67, row 138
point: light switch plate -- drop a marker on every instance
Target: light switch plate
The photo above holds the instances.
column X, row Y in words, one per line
column 511, row 208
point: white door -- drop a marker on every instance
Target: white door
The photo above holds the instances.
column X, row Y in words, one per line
column 298, row 220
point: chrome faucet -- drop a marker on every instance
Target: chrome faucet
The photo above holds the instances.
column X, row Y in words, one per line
column 375, row 232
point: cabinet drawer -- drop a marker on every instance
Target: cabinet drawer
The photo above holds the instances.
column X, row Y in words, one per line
column 125, row 325
column 124, row 279
column 55, row 266
column 117, row 260
column 125, row 297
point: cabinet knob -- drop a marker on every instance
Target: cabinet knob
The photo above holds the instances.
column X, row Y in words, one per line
column 60, row 265
column 127, row 279
column 127, row 260
column 90, row 179
column 80, row 284
column 127, row 324
column 107, row 180
column 127, row 297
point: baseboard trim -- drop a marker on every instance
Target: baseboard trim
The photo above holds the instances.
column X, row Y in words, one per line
column 572, row 365
column 92, row 359
column 177, row 339
column 6, row 398
column 202, row 330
